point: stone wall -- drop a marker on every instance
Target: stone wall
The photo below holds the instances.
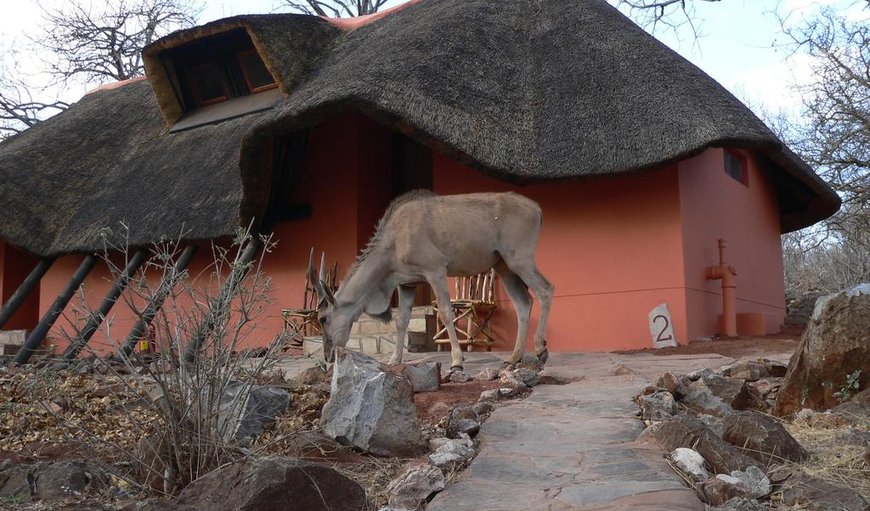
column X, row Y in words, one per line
column 372, row 337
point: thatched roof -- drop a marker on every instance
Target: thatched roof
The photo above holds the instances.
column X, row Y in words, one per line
column 523, row 90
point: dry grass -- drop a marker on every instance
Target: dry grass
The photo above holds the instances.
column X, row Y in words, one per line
column 831, row 458
column 375, row 475
column 40, row 408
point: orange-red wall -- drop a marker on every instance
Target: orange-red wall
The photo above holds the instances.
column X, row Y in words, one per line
column 714, row 205
column 614, row 247
column 347, row 180
column 617, row 247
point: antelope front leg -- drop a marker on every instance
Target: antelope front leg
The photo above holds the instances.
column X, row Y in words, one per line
column 406, row 302
column 442, row 297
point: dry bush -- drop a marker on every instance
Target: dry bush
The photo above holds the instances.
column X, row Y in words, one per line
column 823, row 265
column 186, row 389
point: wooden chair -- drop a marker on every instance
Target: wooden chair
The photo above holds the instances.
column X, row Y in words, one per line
column 302, row 323
column 473, row 305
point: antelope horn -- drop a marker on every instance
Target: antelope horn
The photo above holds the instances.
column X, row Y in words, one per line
column 325, row 290
column 312, row 277
column 322, row 274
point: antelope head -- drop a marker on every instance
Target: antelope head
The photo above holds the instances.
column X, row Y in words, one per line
column 335, row 318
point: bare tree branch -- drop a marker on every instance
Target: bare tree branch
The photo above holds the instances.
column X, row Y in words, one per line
column 88, row 41
column 336, row 8
column 669, row 13
column 105, row 43
column 836, row 141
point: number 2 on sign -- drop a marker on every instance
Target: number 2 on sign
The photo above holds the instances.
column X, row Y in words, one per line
column 662, row 337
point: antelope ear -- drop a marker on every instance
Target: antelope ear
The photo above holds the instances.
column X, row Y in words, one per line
column 327, row 293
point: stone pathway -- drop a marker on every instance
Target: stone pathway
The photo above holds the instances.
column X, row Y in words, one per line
column 572, row 447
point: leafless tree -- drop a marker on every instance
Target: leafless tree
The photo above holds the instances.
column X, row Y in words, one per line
column 669, row 13
column 86, row 41
column 97, row 42
column 834, row 137
column 336, row 8
column 18, row 108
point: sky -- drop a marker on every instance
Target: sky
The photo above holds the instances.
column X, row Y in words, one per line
column 738, row 43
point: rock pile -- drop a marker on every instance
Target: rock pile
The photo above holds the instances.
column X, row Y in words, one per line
column 371, row 408
column 453, row 446
column 719, row 434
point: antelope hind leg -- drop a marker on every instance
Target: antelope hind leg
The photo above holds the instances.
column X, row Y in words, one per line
column 543, row 289
column 522, row 300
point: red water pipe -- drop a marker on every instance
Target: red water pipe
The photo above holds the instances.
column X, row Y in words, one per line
column 728, row 275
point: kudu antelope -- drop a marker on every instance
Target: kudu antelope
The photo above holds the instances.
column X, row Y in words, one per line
column 426, row 238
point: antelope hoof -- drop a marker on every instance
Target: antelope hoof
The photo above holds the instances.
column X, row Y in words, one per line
column 543, row 355
column 456, row 369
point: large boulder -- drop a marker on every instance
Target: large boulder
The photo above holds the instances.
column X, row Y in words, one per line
column 762, row 437
column 50, row 480
column 273, row 483
column 371, row 408
column 835, row 344
column 687, row 431
column 245, row 410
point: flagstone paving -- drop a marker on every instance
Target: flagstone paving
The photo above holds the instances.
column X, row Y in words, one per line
column 572, row 447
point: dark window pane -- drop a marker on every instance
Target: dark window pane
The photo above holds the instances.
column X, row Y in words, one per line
column 735, row 166
column 208, row 83
column 255, row 71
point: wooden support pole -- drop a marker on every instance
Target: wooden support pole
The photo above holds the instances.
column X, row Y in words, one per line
column 24, row 289
column 156, row 302
column 109, row 301
column 38, row 334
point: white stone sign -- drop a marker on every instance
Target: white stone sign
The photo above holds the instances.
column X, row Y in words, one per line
column 661, row 327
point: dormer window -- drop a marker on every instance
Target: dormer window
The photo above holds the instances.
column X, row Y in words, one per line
column 219, row 77
column 207, row 84
column 218, row 68
column 257, row 77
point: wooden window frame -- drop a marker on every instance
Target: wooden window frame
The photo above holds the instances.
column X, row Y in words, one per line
column 192, row 76
column 744, row 166
column 253, row 90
